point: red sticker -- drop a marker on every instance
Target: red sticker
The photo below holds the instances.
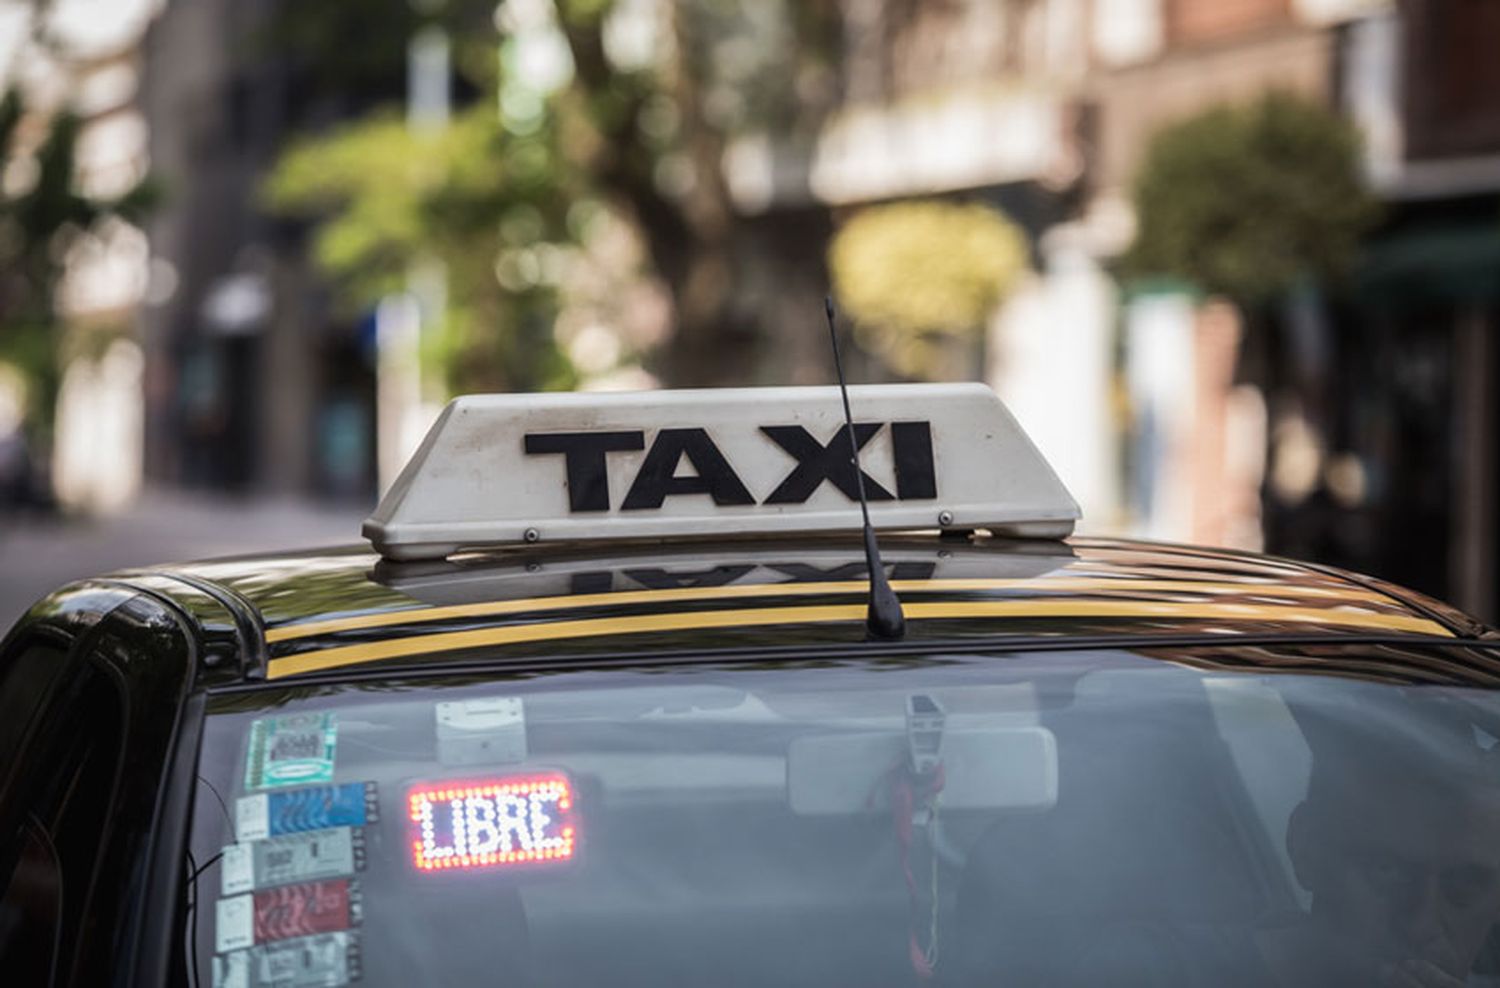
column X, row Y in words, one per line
column 302, row 910
column 492, row 823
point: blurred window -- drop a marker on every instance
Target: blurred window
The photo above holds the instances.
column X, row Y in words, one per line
column 1453, row 77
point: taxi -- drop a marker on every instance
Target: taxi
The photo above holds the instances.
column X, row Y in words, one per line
column 624, row 689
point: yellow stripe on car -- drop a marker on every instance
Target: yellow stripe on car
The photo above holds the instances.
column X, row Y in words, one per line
column 350, row 655
column 415, row 615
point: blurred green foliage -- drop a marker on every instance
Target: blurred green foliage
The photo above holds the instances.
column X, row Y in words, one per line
column 639, row 129
column 483, row 201
column 920, row 277
column 1247, row 200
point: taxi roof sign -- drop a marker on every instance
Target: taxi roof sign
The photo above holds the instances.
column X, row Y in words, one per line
column 499, row 470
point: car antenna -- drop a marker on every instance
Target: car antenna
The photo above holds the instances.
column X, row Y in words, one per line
column 884, row 618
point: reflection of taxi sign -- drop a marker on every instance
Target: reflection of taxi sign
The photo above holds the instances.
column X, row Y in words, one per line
column 491, row 823
column 507, row 469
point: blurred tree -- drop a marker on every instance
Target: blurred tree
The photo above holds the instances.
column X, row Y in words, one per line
column 641, row 103
column 40, row 218
column 1246, row 200
column 661, row 124
column 922, row 277
column 489, row 203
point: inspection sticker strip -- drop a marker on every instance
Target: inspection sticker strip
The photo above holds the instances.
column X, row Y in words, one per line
column 304, row 857
column 293, row 749
column 286, row 912
column 325, row 960
column 350, row 804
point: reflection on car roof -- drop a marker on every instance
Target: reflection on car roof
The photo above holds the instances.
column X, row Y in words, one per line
column 336, row 611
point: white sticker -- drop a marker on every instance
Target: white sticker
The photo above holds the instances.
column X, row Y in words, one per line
column 233, row 970
column 237, row 869
column 252, row 818
column 234, row 923
column 304, row 857
column 325, row 960
column 489, row 713
column 481, row 731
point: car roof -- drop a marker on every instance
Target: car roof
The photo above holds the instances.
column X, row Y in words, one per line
column 343, row 613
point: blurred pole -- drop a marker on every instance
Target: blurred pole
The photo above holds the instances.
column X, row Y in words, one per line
column 408, row 395
column 398, row 385
column 428, row 103
column 1471, row 557
column 427, row 282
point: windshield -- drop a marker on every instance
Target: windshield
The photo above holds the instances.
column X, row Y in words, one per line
column 1058, row 818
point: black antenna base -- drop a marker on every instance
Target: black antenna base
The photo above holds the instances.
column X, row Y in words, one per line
column 884, row 618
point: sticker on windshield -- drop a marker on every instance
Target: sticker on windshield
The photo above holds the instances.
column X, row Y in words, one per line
column 350, row 804
column 304, row 857
column 286, row 912
column 481, row 731
column 234, row 923
column 492, row 823
column 326, row 960
column 290, row 750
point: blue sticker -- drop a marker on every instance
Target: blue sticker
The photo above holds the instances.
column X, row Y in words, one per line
column 350, row 804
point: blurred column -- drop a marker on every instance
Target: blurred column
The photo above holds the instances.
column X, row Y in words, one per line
column 408, row 397
column 96, row 463
column 288, row 362
column 1056, row 336
column 1370, row 84
column 398, row 387
column 1159, row 369
column 428, row 104
column 1228, row 435
column 864, row 46
column 1471, row 555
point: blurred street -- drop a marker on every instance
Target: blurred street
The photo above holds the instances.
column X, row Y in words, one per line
column 39, row 554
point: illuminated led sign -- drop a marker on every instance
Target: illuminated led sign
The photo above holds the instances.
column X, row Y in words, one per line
column 490, row 823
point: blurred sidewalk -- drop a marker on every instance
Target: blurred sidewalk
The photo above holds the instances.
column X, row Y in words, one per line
column 40, row 553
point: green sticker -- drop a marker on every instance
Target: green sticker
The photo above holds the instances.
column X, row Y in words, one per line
column 290, row 750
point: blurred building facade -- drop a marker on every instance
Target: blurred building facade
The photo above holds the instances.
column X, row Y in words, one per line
column 65, row 58
column 1365, row 436
column 1412, row 369
column 255, row 384
column 99, row 434
column 1368, row 437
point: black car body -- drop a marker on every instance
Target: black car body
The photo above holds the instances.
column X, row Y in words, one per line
column 113, row 783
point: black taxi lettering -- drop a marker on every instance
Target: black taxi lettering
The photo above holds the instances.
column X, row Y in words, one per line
column 817, row 462
column 583, row 456
column 658, row 478
column 585, row 465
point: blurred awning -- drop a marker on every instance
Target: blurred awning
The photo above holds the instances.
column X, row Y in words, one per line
column 1456, row 264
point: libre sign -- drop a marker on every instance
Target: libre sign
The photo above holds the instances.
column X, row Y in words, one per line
column 492, row 823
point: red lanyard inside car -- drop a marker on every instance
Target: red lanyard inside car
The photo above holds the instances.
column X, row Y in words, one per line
column 913, row 794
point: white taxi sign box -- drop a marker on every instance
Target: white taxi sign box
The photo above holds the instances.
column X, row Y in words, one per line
column 499, row 470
